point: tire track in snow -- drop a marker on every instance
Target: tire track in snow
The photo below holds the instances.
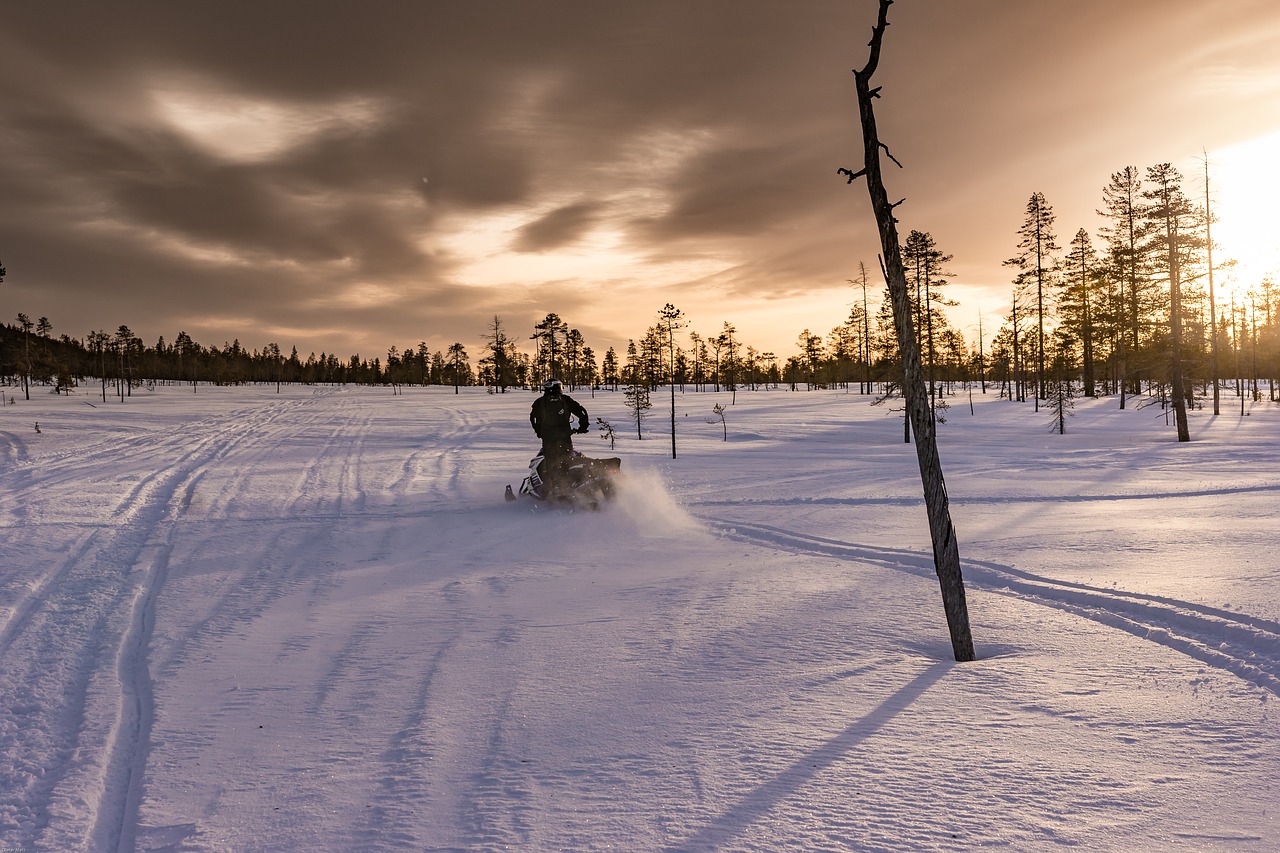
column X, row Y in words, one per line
column 314, row 479
column 25, row 604
column 158, row 505
column 447, row 465
column 67, row 467
column 311, row 505
column 444, row 461
column 1246, row 646
column 77, row 706
column 13, row 450
column 407, row 775
column 349, row 481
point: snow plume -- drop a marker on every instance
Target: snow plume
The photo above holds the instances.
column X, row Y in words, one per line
column 643, row 497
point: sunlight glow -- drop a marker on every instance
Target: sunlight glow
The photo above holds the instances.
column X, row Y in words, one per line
column 601, row 255
column 1244, row 184
column 361, row 294
column 248, row 130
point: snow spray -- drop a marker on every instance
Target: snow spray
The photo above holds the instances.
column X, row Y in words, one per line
column 644, row 498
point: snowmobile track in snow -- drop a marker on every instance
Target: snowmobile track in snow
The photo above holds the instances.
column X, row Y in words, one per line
column 76, row 641
column 1246, row 646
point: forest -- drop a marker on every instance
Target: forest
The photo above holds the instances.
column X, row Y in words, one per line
column 1131, row 310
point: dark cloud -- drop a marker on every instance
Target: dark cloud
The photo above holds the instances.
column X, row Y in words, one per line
column 559, row 227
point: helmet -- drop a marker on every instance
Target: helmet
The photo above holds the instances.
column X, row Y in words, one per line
column 551, row 386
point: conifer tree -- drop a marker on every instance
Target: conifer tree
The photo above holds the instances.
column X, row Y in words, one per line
column 730, row 363
column 637, row 402
column 926, row 268
column 1126, row 234
column 500, row 356
column 459, row 365
column 609, row 368
column 1171, row 214
column 811, row 352
column 547, row 337
column 1060, row 404
column 24, row 323
column 669, row 322
column 1213, row 307
column 864, row 312
column 1080, row 301
column 1037, row 244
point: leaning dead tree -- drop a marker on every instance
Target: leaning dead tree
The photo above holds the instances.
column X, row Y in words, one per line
column 946, row 552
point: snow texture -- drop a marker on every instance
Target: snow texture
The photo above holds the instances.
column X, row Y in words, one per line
column 237, row 620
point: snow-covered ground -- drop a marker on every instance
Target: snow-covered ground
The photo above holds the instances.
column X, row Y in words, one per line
column 236, row 620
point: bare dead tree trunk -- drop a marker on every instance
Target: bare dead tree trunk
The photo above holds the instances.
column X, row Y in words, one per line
column 1213, row 311
column 946, row 552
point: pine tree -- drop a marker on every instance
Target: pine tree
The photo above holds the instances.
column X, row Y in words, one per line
column 1171, row 214
column 1213, row 307
column 1060, row 396
column 573, row 346
column 609, row 374
column 861, row 316
column 547, row 337
column 632, row 370
column 669, row 322
column 1080, row 300
column 730, row 367
column 24, row 323
column 925, row 264
column 1126, row 237
column 637, row 402
column 1037, row 244
column 459, row 365
column 811, row 352
column 500, row 351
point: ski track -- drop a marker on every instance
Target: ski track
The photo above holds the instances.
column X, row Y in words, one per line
column 983, row 500
column 75, row 724
column 1246, row 646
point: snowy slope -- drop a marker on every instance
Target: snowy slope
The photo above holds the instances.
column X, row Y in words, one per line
column 236, row 620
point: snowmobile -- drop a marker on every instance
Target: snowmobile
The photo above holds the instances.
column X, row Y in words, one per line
column 585, row 483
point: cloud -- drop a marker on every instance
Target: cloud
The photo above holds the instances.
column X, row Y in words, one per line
column 558, row 228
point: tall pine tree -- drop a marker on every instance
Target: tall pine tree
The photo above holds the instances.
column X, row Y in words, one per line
column 1035, row 258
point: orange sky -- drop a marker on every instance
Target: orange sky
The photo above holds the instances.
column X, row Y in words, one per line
column 347, row 177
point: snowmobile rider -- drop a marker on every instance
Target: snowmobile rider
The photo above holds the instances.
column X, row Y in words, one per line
column 552, row 419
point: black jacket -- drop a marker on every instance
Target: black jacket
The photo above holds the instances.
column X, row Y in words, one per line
column 552, row 417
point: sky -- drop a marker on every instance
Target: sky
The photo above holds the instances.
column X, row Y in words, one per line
column 347, row 177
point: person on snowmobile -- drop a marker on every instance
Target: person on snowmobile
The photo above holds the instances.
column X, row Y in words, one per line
column 552, row 419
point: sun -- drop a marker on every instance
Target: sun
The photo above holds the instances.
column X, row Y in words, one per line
column 1244, row 183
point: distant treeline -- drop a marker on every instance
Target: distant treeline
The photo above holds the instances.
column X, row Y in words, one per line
column 860, row 352
column 30, row 355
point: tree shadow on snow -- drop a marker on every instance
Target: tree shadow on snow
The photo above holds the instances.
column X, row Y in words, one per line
column 757, row 804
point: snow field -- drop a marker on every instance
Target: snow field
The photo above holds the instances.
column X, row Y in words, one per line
column 236, row 620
